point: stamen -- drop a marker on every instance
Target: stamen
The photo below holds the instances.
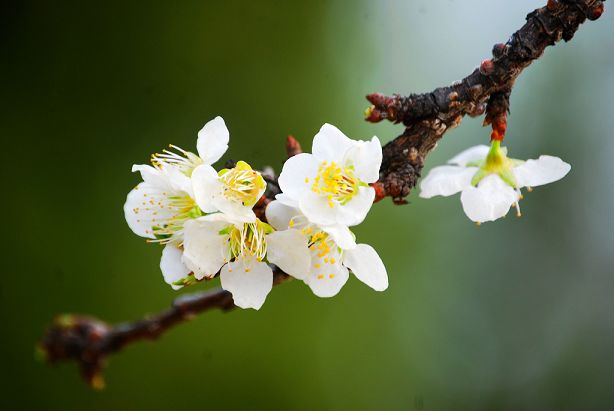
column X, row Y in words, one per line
column 242, row 184
column 185, row 161
column 338, row 184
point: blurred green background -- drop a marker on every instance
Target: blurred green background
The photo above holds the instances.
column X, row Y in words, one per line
column 512, row 315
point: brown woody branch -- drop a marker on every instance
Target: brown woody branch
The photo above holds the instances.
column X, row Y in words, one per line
column 428, row 116
column 89, row 341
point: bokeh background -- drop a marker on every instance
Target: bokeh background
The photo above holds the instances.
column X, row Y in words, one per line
column 511, row 315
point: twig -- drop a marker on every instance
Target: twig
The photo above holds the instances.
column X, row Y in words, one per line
column 428, row 116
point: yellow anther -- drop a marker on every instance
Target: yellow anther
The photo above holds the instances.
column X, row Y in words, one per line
column 338, row 184
column 332, row 261
column 242, row 184
column 316, row 265
column 331, row 276
column 320, row 276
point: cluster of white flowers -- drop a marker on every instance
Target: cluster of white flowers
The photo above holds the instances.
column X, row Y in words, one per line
column 206, row 222
column 489, row 181
column 205, row 218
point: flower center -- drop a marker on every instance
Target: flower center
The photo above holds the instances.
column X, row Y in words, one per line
column 338, row 184
column 180, row 209
column 248, row 240
column 496, row 162
column 324, row 251
column 242, row 184
column 185, row 161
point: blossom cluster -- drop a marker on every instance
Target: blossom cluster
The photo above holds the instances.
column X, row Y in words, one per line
column 205, row 220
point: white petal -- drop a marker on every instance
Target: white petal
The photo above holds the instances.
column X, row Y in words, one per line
column 213, row 140
column 355, row 210
column 248, row 280
column 289, row 251
column 446, row 181
column 325, row 279
column 178, row 180
column 153, row 176
column 234, row 210
column 491, row 200
column 544, row 170
column 341, row 235
column 367, row 266
column 297, row 175
column 286, row 200
column 205, row 185
column 140, row 214
column 279, row 215
column 172, row 266
column 331, row 144
column 471, row 155
column 205, row 249
column 366, row 157
column 317, row 210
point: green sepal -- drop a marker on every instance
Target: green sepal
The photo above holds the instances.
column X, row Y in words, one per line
column 508, row 176
column 479, row 176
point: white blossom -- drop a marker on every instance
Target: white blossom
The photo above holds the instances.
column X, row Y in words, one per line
column 331, row 185
column 232, row 191
column 238, row 250
column 333, row 250
column 159, row 206
column 489, row 181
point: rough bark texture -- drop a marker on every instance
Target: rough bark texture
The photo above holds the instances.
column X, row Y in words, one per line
column 427, row 117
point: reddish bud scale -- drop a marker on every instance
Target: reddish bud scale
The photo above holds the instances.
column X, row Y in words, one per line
column 499, row 50
column 596, row 11
column 373, row 115
column 487, row 67
column 293, row 147
column 380, row 191
column 499, row 126
column 376, row 99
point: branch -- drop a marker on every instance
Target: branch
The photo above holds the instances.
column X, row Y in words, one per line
column 89, row 341
column 428, row 116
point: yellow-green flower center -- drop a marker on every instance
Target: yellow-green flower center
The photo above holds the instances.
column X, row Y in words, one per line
column 338, row 184
column 170, row 230
column 496, row 162
column 242, row 184
column 247, row 240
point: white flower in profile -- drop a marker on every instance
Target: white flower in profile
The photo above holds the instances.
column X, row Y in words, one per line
column 233, row 191
column 334, row 253
column 331, row 185
column 489, row 181
column 238, row 250
column 159, row 207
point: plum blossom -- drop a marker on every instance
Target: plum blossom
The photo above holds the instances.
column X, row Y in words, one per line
column 239, row 251
column 333, row 250
column 331, row 185
column 232, row 191
column 489, row 181
column 159, row 206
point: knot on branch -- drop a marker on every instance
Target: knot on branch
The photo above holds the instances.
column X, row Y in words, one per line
column 78, row 338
